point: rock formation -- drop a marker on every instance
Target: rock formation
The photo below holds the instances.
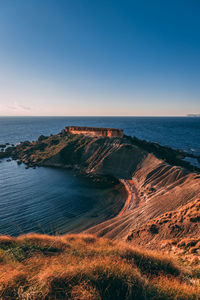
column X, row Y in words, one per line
column 156, row 177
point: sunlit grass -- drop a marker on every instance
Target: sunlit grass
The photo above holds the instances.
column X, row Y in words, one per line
column 85, row 267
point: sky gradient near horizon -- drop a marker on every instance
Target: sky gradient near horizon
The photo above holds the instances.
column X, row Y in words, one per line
column 103, row 57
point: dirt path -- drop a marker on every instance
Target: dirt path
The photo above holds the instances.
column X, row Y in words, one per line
column 132, row 200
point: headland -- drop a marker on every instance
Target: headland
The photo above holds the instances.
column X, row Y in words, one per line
column 161, row 209
column 156, row 178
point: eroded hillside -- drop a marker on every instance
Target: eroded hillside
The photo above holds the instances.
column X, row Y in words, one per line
column 160, row 179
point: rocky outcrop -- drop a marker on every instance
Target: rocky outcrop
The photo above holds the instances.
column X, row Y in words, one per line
column 183, row 222
column 160, row 180
column 7, row 152
column 161, row 188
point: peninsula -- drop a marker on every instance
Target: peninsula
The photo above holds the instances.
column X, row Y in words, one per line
column 156, row 178
column 161, row 209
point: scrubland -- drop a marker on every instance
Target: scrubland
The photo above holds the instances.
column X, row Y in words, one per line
column 79, row 266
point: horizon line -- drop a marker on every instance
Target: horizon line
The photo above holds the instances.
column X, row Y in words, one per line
column 94, row 116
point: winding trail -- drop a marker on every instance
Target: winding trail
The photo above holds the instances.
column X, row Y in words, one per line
column 132, row 200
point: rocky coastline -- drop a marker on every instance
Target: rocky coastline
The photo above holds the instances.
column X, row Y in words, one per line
column 23, row 151
column 156, row 178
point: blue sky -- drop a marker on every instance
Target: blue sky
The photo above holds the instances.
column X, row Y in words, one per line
column 86, row 57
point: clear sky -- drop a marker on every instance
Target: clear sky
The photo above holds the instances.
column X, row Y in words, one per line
column 99, row 57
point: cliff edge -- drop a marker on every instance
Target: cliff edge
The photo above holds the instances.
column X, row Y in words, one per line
column 157, row 179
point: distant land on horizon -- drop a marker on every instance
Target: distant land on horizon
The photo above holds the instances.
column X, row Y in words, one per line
column 193, row 115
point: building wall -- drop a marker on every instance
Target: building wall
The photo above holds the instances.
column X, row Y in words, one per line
column 105, row 132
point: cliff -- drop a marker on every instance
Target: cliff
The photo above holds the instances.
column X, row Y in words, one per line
column 161, row 188
column 158, row 180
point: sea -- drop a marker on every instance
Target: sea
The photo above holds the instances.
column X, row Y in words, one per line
column 47, row 200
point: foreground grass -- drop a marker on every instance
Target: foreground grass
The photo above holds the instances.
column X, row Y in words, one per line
column 83, row 267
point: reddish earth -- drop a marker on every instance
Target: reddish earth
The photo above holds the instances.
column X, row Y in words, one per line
column 161, row 188
column 132, row 200
column 153, row 175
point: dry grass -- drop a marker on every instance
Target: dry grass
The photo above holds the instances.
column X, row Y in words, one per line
column 85, row 267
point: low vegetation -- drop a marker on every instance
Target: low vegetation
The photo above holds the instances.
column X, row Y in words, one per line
column 85, row 267
column 181, row 226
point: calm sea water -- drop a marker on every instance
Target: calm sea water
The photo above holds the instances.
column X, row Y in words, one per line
column 182, row 132
column 48, row 200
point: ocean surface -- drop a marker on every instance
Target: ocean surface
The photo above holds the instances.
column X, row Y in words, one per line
column 49, row 200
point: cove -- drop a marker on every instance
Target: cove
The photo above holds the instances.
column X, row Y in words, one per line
column 53, row 201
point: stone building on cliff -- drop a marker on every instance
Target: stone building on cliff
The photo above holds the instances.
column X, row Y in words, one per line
column 95, row 131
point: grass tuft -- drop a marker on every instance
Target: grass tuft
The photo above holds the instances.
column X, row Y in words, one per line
column 85, row 267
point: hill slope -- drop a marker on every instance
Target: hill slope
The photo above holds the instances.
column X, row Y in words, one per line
column 159, row 182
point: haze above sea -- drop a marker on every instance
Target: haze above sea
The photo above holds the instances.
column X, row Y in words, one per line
column 48, row 200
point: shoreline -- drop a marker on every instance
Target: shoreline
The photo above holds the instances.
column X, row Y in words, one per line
column 158, row 173
column 112, row 200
